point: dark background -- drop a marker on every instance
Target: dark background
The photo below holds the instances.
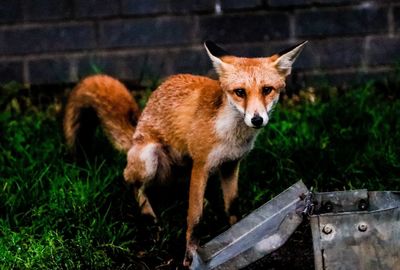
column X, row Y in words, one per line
column 47, row 41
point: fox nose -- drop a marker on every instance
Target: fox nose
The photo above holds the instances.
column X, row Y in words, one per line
column 257, row 120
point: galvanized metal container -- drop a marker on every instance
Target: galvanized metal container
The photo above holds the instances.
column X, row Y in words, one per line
column 356, row 230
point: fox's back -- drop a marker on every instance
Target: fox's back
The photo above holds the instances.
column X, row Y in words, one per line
column 182, row 107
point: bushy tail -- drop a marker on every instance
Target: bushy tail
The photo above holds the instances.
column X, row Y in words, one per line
column 113, row 105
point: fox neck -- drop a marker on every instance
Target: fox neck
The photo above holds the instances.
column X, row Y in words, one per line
column 234, row 138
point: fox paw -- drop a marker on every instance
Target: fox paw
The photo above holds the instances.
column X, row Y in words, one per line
column 190, row 251
column 232, row 219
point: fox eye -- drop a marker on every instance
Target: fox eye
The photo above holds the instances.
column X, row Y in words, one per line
column 240, row 92
column 266, row 90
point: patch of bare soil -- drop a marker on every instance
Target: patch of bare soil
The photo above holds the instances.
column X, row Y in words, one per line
column 295, row 254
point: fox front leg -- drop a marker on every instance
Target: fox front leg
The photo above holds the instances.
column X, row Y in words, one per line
column 229, row 173
column 198, row 184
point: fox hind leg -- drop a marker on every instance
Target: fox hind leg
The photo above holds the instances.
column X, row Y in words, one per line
column 144, row 203
column 141, row 168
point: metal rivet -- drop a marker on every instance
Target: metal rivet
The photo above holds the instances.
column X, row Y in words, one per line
column 362, row 227
column 328, row 206
column 362, row 204
column 327, row 229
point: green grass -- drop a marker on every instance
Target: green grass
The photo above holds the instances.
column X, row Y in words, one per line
column 55, row 214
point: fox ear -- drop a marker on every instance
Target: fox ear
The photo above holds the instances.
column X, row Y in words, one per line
column 287, row 57
column 215, row 53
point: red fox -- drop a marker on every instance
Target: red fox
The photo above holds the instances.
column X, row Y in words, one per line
column 213, row 122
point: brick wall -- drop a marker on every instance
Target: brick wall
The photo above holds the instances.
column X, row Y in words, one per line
column 47, row 41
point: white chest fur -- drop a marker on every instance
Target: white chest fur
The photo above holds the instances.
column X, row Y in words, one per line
column 236, row 139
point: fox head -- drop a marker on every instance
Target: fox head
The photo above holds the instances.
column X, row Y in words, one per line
column 253, row 85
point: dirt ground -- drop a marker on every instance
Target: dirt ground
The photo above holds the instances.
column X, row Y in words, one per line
column 295, row 254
